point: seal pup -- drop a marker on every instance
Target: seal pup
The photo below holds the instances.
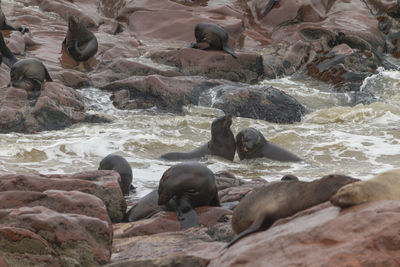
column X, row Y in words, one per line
column 80, row 42
column 120, row 165
column 222, row 143
column 189, row 185
column 384, row 186
column 28, row 73
column 252, row 144
column 260, row 208
column 211, row 36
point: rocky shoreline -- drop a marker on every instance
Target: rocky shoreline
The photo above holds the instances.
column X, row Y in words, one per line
column 145, row 62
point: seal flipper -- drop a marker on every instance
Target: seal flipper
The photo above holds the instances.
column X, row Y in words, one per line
column 257, row 225
column 89, row 51
column 8, row 57
column 186, row 214
column 229, row 50
column 215, row 201
column 47, row 75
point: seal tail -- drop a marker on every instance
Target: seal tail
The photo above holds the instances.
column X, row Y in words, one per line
column 229, row 50
column 257, row 225
column 8, row 57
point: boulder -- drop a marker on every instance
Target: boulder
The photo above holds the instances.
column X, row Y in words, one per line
column 102, row 184
column 57, row 107
column 77, row 239
column 248, row 67
column 166, row 93
column 236, row 193
column 265, row 103
column 364, row 235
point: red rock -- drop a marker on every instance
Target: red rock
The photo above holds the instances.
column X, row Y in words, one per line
column 364, row 235
column 102, row 184
column 73, row 78
column 238, row 192
column 167, row 221
column 77, row 239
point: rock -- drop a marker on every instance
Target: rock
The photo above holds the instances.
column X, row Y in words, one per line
column 362, row 235
column 193, row 242
column 16, row 43
column 213, row 64
column 236, row 193
column 73, row 78
column 57, row 107
column 21, row 247
column 266, row 103
column 178, row 260
column 167, row 221
column 102, row 184
column 61, row 201
column 166, row 93
column 224, row 179
column 77, row 239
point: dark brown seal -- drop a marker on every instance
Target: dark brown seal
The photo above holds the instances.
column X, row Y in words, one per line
column 120, row 165
column 384, row 186
column 189, row 185
column 80, row 42
column 211, row 36
column 259, row 209
column 251, row 143
column 28, row 73
column 222, row 143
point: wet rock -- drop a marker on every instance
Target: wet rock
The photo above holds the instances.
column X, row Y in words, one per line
column 226, row 179
column 16, row 43
column 121, row 69
column 102, row 184
column 236, row 193
column 362, row 235
column 56, row 107
column 73, row 78
column 165, row 93
column 167, row 221
column 194, row 242
column 267, row 103
column 21, row 247
column 178, row 260
column 77, row 239
column 57, row 200
column 213, row 64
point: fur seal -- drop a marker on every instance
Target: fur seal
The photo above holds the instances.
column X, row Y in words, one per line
column 251, row 144
column 211, row 36
column 222, row 143
column 80, row 42
column 189, row 185
column 289, row 177
column 120, row 165
column 384, row 186
column 259, row 209
column 28, row 73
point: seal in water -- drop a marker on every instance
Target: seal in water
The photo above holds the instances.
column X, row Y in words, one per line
column 189, row 185
column 384, row 186
column 5, row 26
column 251, row 144
column 222, row 143
column 120, row 165
column 80, row 42
column 259, row 209
column 211, row 36
column 28, row 73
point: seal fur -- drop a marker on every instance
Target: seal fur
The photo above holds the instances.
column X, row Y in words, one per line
column 259, row 209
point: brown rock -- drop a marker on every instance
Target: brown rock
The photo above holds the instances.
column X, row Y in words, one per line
column 102, row 184
column 177, row 260
column 167, row 221
column 236, row 193
column 73, row 78
column 21, row 247
column 213, row 64
column 77, row 239
column 364, row 235
column 60, row 201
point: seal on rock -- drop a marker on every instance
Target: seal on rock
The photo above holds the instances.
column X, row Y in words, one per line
column 4, row 25
column 28, row 73
column 259, row 209
column 222, row 143
column 189, row 185
column 120, row 165
column 80, row 42
column 211, row 36
column 384, row 186
column 251, row 144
